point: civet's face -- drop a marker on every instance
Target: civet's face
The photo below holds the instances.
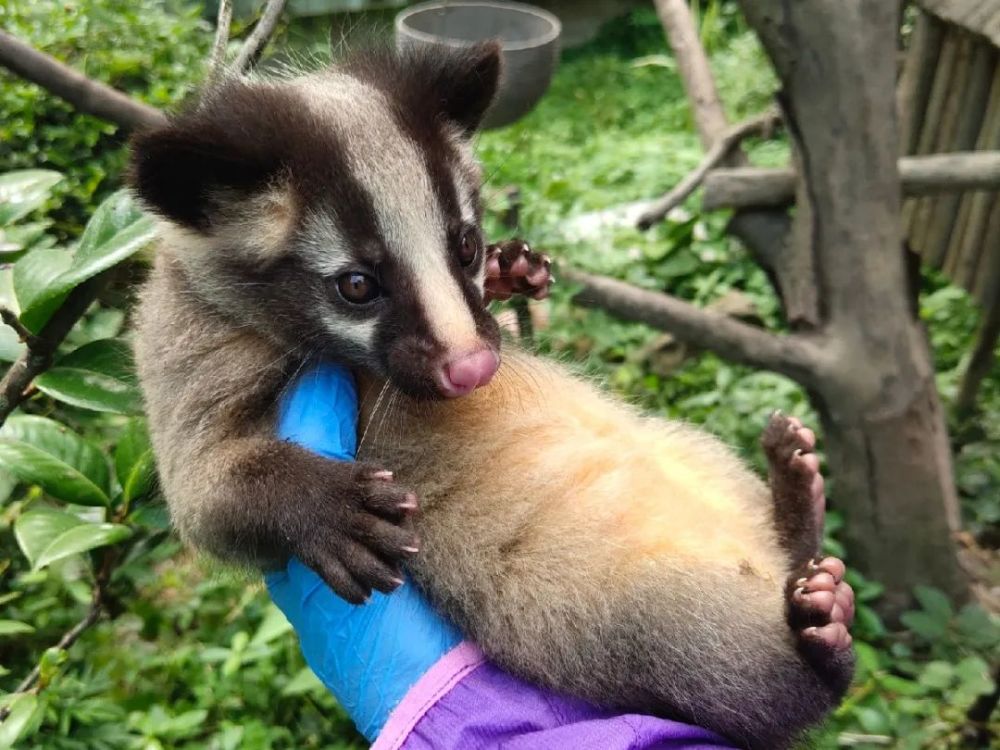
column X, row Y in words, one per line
column 340, row 212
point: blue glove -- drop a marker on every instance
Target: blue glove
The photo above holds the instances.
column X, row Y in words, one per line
column 370, row 655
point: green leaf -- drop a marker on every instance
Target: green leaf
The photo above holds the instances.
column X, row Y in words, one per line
column 868, row 657
column 117, row 230
column 22, row 708
column 872, row 720
column 38, row 286
column 38, row 528
column 158, row 723
column 98, row 376
column 10, row 345
column 927, row 627
column 978, row 627
column 60, row 441
column 43, row 277
column 274, row 625
column 934, row 602
column 23, row 191
column 82, row 538
column 938, row 675
column 35, row 466
column 868, row 621
column 305, row 681
column 13, row 627
column 134, row 464
column 52, row 659
column 44, row 452
column 900, row 686
column 974, row 675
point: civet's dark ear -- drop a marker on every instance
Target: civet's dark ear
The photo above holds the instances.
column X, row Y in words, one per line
column 468, row 83
column 178, row 169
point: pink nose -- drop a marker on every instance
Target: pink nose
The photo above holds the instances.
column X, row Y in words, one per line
column 463, row 375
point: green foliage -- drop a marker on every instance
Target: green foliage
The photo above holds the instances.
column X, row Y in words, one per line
column 913, row 689
column 136, row 46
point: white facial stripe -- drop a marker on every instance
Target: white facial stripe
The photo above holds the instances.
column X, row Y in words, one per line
column 326, row 251
column 446, row 310
column 391, row 168
column 358, row 332
column 326, row 254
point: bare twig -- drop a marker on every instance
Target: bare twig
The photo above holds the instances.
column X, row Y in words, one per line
column 217, row 60
column 796, row 356
column 762, row 124
column 750, row 187
column 84, row 94
column 42, row 347
column 262, row 32
column 10, row 318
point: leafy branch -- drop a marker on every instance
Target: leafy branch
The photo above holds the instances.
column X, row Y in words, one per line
column 41, row 348
column 110, row 242
column 94, row 610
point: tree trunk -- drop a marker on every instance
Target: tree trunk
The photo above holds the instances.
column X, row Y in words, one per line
column 885, row 430
column 893, row 480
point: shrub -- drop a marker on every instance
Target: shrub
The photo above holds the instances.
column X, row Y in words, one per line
column 137, row 46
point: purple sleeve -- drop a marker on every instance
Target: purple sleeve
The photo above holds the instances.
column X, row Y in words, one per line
column 466, row 703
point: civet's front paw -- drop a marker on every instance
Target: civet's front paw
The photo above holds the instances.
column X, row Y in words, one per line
column 357, row 531
column 514, row 268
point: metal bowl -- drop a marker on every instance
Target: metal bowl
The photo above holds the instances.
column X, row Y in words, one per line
column 529, row 37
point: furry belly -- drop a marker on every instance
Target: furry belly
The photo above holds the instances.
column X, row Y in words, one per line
column 539, row 469
column 626, row 560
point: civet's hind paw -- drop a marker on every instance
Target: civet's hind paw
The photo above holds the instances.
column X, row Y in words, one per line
column 514, row 268
column 796, row 486
column 820, row 612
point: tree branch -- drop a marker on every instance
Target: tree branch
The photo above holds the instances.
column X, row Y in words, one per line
column 750, row 187
column 42, row 347
column 795, row 356
column 84, row 94
column 217, row 59
column 762, row 124
column 262, row 32
column 692, row 63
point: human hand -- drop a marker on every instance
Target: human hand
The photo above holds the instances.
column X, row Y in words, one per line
column 367, row 655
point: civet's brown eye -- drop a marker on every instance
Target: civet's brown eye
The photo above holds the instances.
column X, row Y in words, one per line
column 358, row 288
column 468, row 250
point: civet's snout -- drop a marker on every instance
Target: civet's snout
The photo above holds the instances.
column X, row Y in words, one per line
column 463, row 374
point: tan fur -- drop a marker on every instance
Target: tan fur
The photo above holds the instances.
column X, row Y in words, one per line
column 584, row 545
